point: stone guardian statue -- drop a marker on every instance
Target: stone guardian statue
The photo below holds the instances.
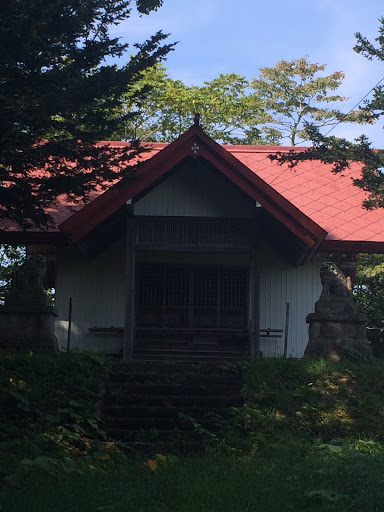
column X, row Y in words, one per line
column 26, row 319
column 337, row 330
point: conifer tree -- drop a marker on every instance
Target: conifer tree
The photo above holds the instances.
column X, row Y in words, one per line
column 58, row 88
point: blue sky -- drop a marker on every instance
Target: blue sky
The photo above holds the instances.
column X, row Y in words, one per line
column 224, row 36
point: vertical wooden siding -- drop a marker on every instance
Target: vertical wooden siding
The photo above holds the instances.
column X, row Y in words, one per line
column 97, row 291
column 195, row 192
column 281, row 283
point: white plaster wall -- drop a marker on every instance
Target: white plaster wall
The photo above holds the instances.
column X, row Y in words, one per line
column 97, row 290
column 195, row 192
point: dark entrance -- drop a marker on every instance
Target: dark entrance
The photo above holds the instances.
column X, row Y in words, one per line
column 193, row 297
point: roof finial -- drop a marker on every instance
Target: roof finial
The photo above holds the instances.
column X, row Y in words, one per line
column 196, row 119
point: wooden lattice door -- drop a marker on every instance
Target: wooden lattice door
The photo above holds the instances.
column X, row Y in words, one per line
column 194, row 297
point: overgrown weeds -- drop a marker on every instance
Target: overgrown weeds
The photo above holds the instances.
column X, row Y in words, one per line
column 316, row 399
column 312, row 438
column 48, row 410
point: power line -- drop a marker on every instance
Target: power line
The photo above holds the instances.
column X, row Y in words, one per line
column 357, row 104
column 336, row 124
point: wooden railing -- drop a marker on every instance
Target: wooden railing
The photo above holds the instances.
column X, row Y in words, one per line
column 263, row 333
column 191, row 232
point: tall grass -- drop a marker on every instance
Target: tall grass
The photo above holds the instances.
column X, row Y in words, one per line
column 313, row 440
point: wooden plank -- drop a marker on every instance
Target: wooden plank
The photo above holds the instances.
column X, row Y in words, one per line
column 286, row 330
column 130, row 269
column 192, row 248
column 218, row 315
column 254, row 277
column 187, row 330
column 191, row 308
column 267, row 333
column 69, row 326
column 112, row 329
column 269, row 330
column 41, row 249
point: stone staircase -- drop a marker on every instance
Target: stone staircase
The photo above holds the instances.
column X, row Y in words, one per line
column 158, row 407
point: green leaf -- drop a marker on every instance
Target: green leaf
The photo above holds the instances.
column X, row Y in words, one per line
column 73, row 403
column 324, row 494
column 331, row 447
column 93, row 423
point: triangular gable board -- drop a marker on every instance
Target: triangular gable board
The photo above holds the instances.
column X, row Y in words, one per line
column 194, row 144
column 195, row 190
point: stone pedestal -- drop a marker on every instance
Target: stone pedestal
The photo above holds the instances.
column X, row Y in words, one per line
column 26, row 319
column 337, row 330
column 25, row 329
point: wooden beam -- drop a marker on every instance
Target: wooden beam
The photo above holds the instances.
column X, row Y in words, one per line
column 114, row 330
column 43, row 249
column 254, row 323
column 192, row 248
column 130, row 270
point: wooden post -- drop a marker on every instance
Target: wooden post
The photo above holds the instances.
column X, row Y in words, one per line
column 130, row 266
column 69, row 326
column 286, row 330
column 254, row 278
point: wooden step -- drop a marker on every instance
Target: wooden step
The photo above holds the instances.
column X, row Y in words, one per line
column 153, row 389
column 168, row 405
column 182, row 357
column 175, row 367
column 124, row 411
column 189, row 350
column 180, row 424
column 177, row 401
column 213, row 354
column 177, row 446
column 196, row 378
column 155, row 436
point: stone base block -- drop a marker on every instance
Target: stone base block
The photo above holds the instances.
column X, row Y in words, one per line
column 24, row 331
column 334, row 307
column 337, row 339
column 337, row 330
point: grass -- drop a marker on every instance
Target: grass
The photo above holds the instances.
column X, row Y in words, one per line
column 314, row 442
column 317, row 399
column 213, row 482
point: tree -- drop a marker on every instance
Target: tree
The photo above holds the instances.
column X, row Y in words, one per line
column 293, row 93
column 10, row 258
column 369, row 291
column 228, row 113
column 57, row 92
column 284, row 98
column 341, row 152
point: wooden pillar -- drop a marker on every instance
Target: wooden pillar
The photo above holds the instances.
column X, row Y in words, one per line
column 130, row 266
column 254, row 323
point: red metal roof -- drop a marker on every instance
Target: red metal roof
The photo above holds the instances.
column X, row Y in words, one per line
column 322, row 208
column 331, row 200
